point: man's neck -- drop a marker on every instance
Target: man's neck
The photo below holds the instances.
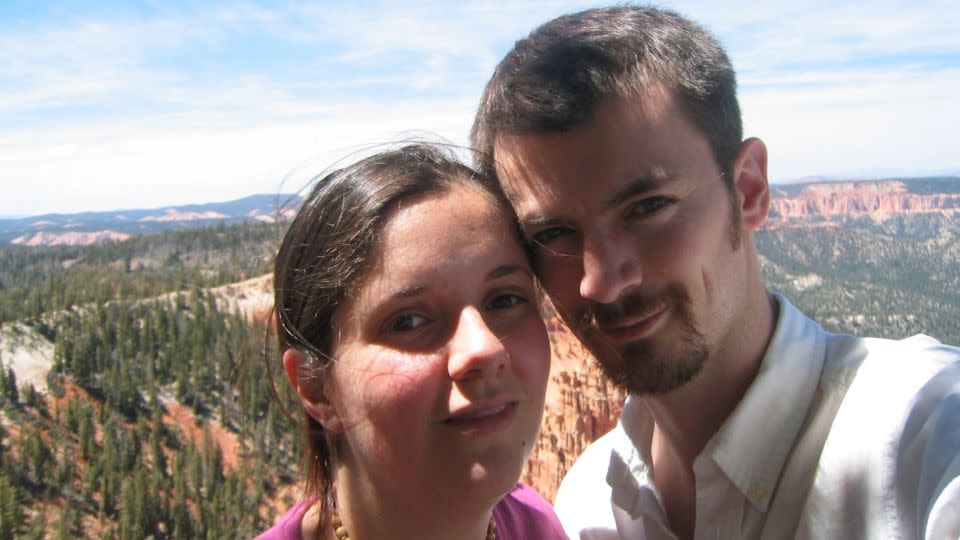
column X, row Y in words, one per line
column 688, row 417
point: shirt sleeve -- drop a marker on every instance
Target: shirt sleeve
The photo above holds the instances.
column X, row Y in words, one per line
column 524, row 515
column 288, row 526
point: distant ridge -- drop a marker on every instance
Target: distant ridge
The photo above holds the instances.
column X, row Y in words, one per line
column 918, row 184
column 87, row 227
column 816, row 203
column 806, row 198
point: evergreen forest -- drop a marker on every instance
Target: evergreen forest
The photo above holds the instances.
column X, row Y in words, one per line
column 137, row 340
column 159, row 417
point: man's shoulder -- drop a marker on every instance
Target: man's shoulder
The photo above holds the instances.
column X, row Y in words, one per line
column 893, row 361
column 900, row 377
column 893, row 433
column 887, row 390
column 845, row 351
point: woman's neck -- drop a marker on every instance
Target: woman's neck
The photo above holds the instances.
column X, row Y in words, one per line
column 407, row 512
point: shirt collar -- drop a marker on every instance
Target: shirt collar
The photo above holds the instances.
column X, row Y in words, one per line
column 628, row 473
column 754, row 442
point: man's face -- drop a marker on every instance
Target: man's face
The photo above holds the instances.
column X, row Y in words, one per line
column 637, row 236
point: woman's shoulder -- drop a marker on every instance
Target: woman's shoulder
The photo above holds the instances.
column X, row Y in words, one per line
column 522, row 514
column 287, row 527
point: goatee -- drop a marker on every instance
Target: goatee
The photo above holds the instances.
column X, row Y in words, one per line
column 649, row 365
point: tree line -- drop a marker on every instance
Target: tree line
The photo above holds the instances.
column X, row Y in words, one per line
column 39, row 280
column 97, row 459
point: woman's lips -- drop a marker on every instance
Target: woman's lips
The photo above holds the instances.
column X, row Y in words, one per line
column 484, row 419
column 633, row 328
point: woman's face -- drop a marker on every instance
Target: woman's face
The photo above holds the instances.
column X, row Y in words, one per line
column 442, row 357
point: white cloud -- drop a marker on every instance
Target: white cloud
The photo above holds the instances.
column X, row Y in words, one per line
column 120, row 112
column 900, row 120
column 135, row 165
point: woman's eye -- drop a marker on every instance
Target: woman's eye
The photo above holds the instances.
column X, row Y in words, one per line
column 407, row 322
column 506, row 301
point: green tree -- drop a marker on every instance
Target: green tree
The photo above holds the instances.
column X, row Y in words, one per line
column 11, row 391
column 11, row 514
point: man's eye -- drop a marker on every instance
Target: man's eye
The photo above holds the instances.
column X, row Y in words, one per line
column 407, row 322
column 546, row 236
column 648, row 206
column 506, row 301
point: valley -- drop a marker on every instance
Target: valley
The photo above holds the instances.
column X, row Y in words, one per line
column 135, row 375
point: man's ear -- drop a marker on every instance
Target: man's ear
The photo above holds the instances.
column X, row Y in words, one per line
column 313, row 400
column 751, row 182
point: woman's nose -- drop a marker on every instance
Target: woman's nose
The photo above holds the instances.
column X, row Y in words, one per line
column 475, row 351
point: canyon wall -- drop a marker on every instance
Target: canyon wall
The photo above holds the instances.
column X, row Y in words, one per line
column 580, row 407
column 877, row 200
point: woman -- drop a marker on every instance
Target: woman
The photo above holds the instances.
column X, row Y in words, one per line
column 409, row 324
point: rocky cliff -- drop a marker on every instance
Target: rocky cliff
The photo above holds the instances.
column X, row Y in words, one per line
column 580, row 406
column 69, row 238
column 877, row 200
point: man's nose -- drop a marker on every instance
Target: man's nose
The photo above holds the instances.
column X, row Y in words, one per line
column 609, row 268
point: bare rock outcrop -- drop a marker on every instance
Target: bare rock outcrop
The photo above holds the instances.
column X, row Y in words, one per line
column 580, row 407
column 72, row 238
column 877, row 200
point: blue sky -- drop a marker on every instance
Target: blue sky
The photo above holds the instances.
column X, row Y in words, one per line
column 108, row 105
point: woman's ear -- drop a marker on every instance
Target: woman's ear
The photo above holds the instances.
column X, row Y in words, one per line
column 313, row 400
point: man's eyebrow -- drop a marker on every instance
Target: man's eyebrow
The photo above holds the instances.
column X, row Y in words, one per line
column 639, row 186
column 537, row 221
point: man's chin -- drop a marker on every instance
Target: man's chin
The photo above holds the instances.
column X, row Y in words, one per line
column 643, row 368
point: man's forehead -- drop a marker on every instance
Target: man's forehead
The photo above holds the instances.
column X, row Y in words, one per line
column 523, row 173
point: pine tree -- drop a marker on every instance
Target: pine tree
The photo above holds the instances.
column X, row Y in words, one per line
column 11, row 514
column 85, row 435
column 68, row 524
column 11, row 391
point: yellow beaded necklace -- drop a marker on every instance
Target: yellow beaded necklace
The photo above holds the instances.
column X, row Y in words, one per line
column 340, row 530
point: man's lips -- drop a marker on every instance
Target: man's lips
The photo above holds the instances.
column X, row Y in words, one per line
column 481, row 419
column 627, row 329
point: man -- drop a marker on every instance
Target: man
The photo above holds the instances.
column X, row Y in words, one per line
column 616, row 133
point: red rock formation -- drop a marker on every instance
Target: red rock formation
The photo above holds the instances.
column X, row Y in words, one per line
column 878, row 200
column 581, row 406
column 172, row 214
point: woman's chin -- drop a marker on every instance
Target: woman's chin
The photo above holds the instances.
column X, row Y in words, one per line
column 497, row 474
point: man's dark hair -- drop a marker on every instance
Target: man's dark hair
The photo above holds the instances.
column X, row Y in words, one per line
column 554, row 79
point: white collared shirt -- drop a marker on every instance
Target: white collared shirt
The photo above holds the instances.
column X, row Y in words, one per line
column 837, row 437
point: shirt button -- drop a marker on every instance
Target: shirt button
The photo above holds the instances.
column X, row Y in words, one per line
column 757, row 492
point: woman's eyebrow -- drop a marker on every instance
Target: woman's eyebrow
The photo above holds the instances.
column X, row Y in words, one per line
column 507, row 269
column 413, row 291
column 408, row 292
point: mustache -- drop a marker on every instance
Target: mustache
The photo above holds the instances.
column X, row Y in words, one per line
column 632, row 304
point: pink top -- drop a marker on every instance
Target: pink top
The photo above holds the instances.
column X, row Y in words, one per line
column 522, row 514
